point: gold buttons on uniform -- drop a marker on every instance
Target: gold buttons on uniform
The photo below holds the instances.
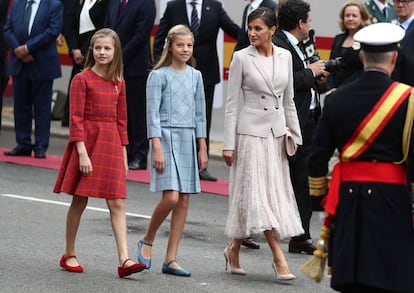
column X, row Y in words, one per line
column 350, row 191
column 369, row 191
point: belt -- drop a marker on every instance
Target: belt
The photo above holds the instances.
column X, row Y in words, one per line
column 380, row 172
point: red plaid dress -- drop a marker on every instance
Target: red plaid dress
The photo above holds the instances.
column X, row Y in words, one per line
column 97, row 117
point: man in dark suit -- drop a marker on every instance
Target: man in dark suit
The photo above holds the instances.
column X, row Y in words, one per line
column 133, row 22
column 294, row 27
column 30, row 32
column 403, row 71
column 78, row 36
column 69, row 15
column 243, row 38
column 212, row 17
column 4, row 74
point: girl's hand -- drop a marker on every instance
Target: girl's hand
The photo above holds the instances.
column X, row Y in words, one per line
column 124, row 151
column 158, row 161
column 158, row 156
column 229, row 157
column 202, row 160
column 85, row 165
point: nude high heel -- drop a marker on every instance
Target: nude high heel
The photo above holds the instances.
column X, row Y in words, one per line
column 235, row 271
column 279, row 277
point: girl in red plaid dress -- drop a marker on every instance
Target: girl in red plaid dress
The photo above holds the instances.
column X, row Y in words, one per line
column 95, row 162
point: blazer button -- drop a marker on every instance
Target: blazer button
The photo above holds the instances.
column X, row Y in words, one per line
column 263, row 97
column 265, row 109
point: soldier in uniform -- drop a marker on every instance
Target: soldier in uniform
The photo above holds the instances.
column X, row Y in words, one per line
column 369, row 121
column 381, row 11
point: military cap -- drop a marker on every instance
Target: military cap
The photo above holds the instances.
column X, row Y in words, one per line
column 380, row 37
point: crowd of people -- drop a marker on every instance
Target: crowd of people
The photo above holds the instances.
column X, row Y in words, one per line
column 129, row 109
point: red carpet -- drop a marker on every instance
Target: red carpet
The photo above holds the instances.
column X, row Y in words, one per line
column 53, row 162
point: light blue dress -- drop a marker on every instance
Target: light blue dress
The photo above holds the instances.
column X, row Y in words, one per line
column 176, row 114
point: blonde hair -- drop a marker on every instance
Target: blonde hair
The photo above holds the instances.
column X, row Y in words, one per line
column 173, row 33
column 362, row 10
column 115, row 69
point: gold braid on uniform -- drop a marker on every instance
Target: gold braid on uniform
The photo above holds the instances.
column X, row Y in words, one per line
column 318, row 186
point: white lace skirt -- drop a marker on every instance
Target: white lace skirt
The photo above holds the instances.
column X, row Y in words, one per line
column 261, row 194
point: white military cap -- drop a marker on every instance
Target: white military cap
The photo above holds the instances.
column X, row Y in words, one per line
column 380, row 37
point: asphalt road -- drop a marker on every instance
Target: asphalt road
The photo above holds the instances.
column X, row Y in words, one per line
column 32, row 232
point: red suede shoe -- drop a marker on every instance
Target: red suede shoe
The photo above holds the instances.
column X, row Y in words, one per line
column 135, row 268
column 74, row 269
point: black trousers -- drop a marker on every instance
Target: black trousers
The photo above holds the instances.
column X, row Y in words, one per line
column 299, row 176
column 137, row 117
column 209, row 96
column 4, row 78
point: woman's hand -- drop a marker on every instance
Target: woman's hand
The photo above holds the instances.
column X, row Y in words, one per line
column 229, row 157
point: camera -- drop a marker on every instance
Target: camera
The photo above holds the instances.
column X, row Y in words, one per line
column 331, row 65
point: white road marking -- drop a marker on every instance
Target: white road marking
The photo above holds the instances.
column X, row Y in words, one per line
column 29, row 198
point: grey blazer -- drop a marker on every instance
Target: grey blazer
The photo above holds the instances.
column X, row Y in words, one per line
column 268, row 104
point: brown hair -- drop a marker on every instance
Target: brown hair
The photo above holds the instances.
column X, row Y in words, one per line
column 166, row 57
column 115, row 69
column 362, row 10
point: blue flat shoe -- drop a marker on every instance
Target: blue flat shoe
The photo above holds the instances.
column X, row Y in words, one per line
column 177, row 272
column 141, row 259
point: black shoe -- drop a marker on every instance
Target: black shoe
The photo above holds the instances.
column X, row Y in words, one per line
column 250, row 243
column 204, row 175
column 40, row 154
column 138, row 165
column 19, row 151
column 305, row 246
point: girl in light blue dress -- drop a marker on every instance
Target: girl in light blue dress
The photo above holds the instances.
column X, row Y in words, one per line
column 176, row 123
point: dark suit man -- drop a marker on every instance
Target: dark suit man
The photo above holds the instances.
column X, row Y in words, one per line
column 69, row 15
column 243, row 38
column 133, row 25
column 294, row 27
column 4, row 74
column 213, row 17
column 403, row 71
column 34, row 64
column 78, row 43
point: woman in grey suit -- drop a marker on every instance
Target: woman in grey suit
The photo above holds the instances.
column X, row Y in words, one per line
column 261, row 194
